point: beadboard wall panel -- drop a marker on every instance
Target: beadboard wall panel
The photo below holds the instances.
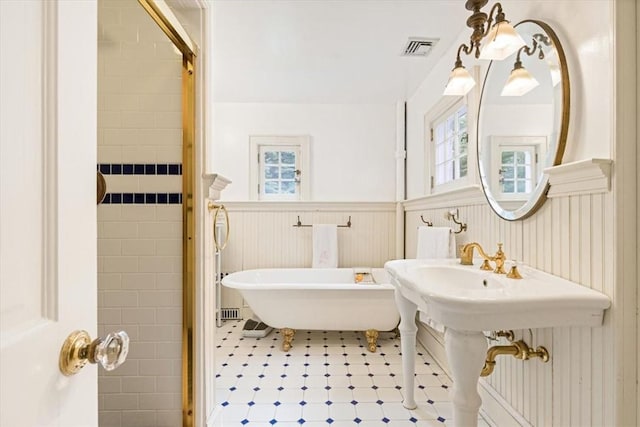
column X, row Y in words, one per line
column 262, row 236
column 571, row 237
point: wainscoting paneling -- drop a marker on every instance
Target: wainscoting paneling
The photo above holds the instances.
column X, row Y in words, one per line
column 571, row 237
column 262, row 236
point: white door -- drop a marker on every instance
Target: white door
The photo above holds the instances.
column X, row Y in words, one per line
column 47, row 208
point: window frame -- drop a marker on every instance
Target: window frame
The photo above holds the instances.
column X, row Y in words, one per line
column 440, row 112
column 302, row 142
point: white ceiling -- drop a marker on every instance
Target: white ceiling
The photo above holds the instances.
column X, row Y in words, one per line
column 326, row 51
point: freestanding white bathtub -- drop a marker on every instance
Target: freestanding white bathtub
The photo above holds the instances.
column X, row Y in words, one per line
column 318, row 299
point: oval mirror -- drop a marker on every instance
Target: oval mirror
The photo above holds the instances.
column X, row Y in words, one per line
column 523, row 120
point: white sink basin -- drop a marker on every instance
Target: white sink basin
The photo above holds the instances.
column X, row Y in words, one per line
column 469, row 299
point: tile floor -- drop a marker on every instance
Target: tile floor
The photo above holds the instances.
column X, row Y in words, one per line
column 327, row 378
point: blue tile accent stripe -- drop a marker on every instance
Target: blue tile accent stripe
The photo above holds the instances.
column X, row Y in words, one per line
column 143, row 199
column 140, row 168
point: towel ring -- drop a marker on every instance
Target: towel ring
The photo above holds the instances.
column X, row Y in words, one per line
column 220, row 247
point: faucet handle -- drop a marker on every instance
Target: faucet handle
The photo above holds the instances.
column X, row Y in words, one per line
column 513, row 272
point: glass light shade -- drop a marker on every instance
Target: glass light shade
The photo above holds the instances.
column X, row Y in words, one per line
column 520, row 82
column 502, row 41
column 460, row 82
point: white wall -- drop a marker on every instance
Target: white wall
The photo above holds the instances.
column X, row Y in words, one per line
column 352, row 146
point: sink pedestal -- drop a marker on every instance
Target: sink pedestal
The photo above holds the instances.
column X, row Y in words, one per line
column 466, row 352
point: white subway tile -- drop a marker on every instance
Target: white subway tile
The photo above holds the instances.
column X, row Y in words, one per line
column 160, row 230
column 169, row 247
column 138, row 316
column 120, row 137
column 120, row 264
column 169, row 213
column 108, row 213
column 137, row 50
column 139, row 154
column 156, row 264
column 107, row 85
column 169, row 315
column 166, row 50
column 169, row 154
column 169, row 281
column 161, row 184
column 127, row 369
column 169, row 418
column 119, row 101
column 118, row 230
column 142, row 350
column 108, row 384
column 138, row 384
column 139, row 419
column 139, row 213
column 160, row 137
column 139, row 247
column 138, row 281
column 158, row 70
column 156, row 334
column 156, row 368
column 138, row 120
column 122, row 184
column 109, row 119
column 108, row 247
column 172, row 350
column 109, row 154
column 162, row 101
column 168, row 384
column 160, row 401
column 109, row 418
column 109, row 315
column 120, row 299
column 120, row 33
column 120, row 402
column 109, row 281
column 108, row 18
column 168, row 120
column 160, row 298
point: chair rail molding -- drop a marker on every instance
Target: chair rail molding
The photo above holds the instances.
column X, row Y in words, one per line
column 589, row 176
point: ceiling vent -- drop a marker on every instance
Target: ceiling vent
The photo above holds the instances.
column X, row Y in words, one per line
column 419, row 46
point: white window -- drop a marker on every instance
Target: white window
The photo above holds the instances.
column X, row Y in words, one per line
column 280, row 168
column 450, row 140
column 516, row 160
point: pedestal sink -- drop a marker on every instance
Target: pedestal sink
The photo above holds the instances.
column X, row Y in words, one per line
column 468, row 301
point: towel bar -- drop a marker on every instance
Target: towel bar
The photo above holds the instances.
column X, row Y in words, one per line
column 300, row 224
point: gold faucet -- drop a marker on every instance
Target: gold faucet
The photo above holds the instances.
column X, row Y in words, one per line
column 466, row 257
column 519, row 350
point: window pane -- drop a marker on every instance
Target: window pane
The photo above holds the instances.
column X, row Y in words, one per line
column 507, row 172
column 507, row 157
column 440, row 132
column 463, row 166
column 464, row 142
column 449, row 148
column 271, row 187
column 440, row 178
column 522, row 171
column 449, row 172
column 451, row 125
column 288, row 157
column 272, row 172
column 521, row 187
column 439, row 153
column 288, row 172
column 507, row 186
column 520, row 157
column 271, row 157
column 288, row 187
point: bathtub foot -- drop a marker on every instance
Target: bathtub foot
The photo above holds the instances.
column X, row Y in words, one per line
column 372, row 339
column 287, row 337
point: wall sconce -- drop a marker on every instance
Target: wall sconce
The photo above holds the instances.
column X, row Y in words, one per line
column 520, row 80
column 502, row 41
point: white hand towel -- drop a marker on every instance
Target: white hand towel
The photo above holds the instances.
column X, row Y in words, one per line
column 435, row 242
column 325, row 246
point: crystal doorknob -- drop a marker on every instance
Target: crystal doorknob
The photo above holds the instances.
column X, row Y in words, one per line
column 78, row 349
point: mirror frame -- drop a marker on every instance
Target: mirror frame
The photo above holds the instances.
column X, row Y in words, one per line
column 539, row 194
